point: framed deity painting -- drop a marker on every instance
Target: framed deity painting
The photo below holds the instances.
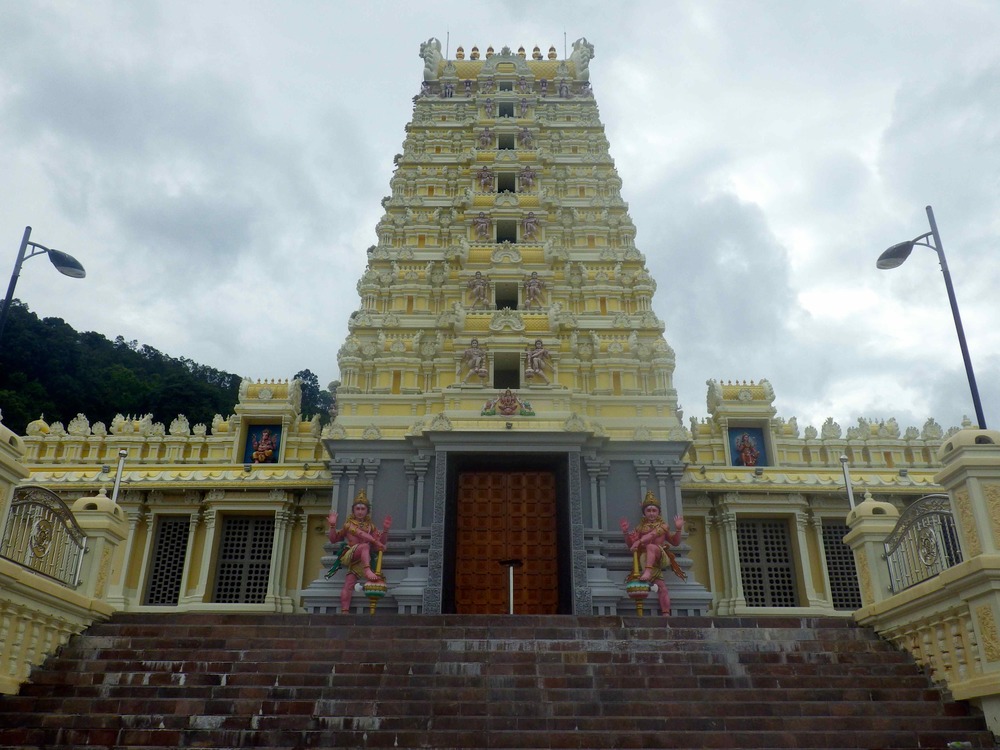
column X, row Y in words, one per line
column 747, row 446
column 263, row 442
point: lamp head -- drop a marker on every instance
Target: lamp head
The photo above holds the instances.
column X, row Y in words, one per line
column 66, row 264
column 895, row 255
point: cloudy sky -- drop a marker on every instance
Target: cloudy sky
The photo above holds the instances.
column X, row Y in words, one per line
column 218, row 167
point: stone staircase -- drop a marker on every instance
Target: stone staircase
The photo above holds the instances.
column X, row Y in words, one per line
column 452, row 681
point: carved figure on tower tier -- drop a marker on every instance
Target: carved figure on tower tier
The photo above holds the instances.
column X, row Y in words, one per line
column 479, row 286
column 473, row 358
column 543, row 86
column 430, row 51
column 650, row 543
column 485, row 179
column 359, row 535
column 529, row 225
column 468, row 87
column 522, row 85
column 534, row 287
column 488, row 85
column 524, row 107
column 528, row 177
column 486, row 138
column 524, row 138
column 564, row 89
column 482, row 224
column 537, row 360
column 488, row 107
column 583, row 53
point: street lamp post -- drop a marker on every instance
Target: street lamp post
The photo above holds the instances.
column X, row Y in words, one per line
column 896, row 255
column 66, row 264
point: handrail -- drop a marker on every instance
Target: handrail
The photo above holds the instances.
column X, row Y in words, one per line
column 924, row 542
column 42, row 535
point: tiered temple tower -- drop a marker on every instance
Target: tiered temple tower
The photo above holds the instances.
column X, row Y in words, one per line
column 506, row 387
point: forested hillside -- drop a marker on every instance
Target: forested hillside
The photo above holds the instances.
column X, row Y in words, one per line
column 47, row 368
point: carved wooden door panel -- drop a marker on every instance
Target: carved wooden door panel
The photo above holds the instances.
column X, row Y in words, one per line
column 503, row 516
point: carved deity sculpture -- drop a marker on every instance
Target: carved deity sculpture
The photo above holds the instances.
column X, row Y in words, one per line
column 534, row 287
column 583, row 53
column 537, row 360
column 486, row 138
column 482, row 225
column 525, row 138
column 528, row 177
column 474, row 359
column 430, row 51
column 479, row 287
column 650, row 543
column 529, row 226
column 488, row 107
column 359, row 535
column 485, row 179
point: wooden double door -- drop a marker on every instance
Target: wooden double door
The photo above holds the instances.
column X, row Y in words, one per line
column 506, row 516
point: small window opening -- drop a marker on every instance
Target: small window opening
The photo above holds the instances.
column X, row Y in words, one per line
column 506, row 109
column 506, row 295
column 397, row 379
column 507, row 230
column 507, row 370
column 506, row 182
column 506, row 86
column 506, row 142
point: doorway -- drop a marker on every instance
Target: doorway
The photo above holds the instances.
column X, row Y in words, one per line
column 506, row 515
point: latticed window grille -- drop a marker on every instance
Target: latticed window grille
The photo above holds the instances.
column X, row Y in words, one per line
column 167, row 568
column 244, row 559
column 766, row 566
column 844, row 589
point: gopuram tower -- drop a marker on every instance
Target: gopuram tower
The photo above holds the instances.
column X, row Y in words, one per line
column 506, row 389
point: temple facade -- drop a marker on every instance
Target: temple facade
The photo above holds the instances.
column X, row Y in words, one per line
column 506, row 396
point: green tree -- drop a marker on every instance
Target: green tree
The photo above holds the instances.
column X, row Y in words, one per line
column 314, row 399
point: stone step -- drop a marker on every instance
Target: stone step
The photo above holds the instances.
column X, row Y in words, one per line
column 298, row 681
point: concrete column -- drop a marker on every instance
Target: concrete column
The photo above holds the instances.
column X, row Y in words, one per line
column 870, row 523
column 104, row 523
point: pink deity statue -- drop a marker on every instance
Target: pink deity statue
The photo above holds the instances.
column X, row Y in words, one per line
column 359, row 536
column 479, row 287
column 650, row 542
column 474, row 359
column 533, row 289
column 486, row 138
column 529, row 226
column 537, row 360
column 485, row 179
column 482, row 225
